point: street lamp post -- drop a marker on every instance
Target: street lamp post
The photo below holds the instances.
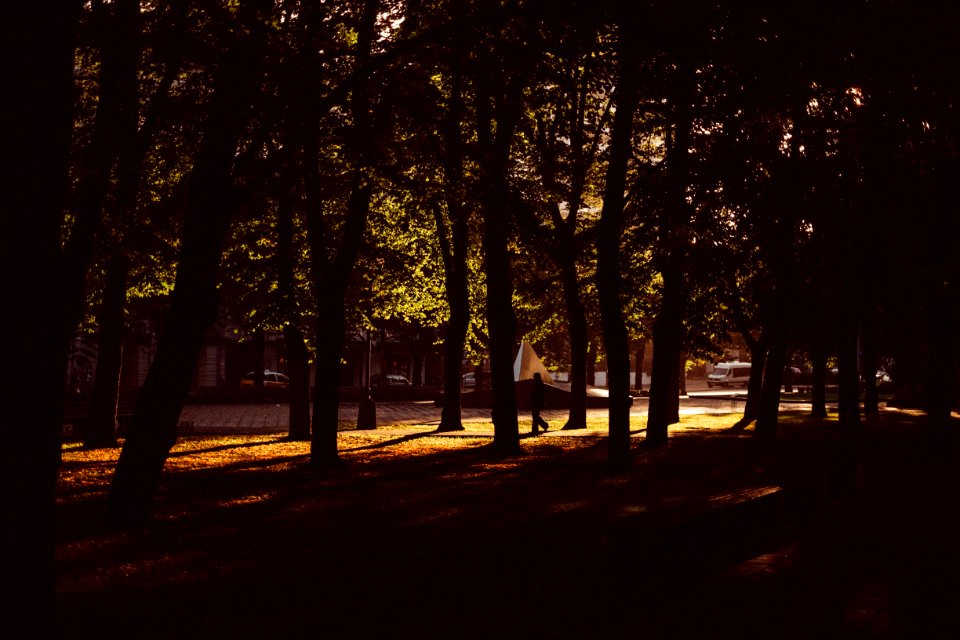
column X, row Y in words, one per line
column 367, row 414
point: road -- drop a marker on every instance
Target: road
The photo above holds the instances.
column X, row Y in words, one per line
column 273, row 418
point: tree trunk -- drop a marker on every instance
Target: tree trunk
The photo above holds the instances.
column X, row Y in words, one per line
column 668, row 328
column 116, row 105
column 941, row 366
column 298, row 368
column 298, row 357
column 329, row 340
column 479, row 377
column 35, row 129
column 101, row 427
column 454, row 251
column 641, row 354
column 608, row 276
column 767, row 417
column 498, row 112
column 453, row 345
column 758, row 358
column 818, row 383
column 258, row 344
column 592, row 363
column 870, row 364
column 848, row 387
column 193, row 303
column 667, row 343
column 577, row 322
column 332, row 275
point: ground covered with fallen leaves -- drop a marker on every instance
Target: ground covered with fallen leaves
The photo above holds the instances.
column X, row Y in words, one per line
column 418, row 535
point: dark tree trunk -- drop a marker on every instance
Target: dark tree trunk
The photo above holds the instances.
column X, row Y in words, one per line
column 592, row 363
column 869, row 366
column 332, row 275
column 668, row 327
column 579, row 339
column 848, row 387
column 818, row 383
column 329, row 340
column 258, row 343
column 767, row 417
column 298, row 368
column 193, row 303
column 458, row 298
column 36, row 57
column 116, row 105
column 788, row 373
column 667, row 346
column 641, row 354
column 479, row 377
column 298, row 357
column 608, row 276
column 331, row 280
column 758, row 357
column 682, row 375
column 101, row 427
column 941, row 365
column 565, row 248
column 454, row 250
column 498, row 112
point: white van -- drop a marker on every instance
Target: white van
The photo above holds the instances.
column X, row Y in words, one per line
column 729, row 374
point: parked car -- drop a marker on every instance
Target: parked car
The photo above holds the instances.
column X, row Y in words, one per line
column 388, row 380
column 469, row 379
column 270, row 379
column 729, row 374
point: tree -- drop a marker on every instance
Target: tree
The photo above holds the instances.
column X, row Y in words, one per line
column 571, row 113
column 193, row 304
column 35, row 130
column 608, row 278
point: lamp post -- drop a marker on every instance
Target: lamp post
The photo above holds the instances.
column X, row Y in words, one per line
column 367, row 413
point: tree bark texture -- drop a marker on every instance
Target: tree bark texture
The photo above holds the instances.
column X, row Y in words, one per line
column 498, row 112
column 767, row 417
column 332, row 272
column 668, row 327
column 458, row 298
column 298, row 357
column 608, row 277
column 758, row 358
column 101, row 427
column 818, row 382
column 193, row 303
column 638, row 366
column 454, row 245
column 667, row 346
column 116, row 26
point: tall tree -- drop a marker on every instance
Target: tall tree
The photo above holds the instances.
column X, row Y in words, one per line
column 36, row 64
column 331, row 268
column 572, row 115
column 608, row 278
column 194, row 303
column 454, row 240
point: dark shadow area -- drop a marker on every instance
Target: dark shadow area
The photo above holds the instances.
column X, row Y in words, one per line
column 711, row 536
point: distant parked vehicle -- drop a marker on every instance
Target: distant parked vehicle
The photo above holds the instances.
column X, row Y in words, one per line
column 270, row 379
column 469, row 379
column 729, row 374
column 388, row 380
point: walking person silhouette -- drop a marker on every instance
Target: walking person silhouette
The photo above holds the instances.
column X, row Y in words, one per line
column 537, row 392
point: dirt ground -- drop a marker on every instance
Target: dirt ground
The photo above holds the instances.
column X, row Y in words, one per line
column 418, row 536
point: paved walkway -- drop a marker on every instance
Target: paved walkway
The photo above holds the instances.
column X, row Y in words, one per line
column 273, row 418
